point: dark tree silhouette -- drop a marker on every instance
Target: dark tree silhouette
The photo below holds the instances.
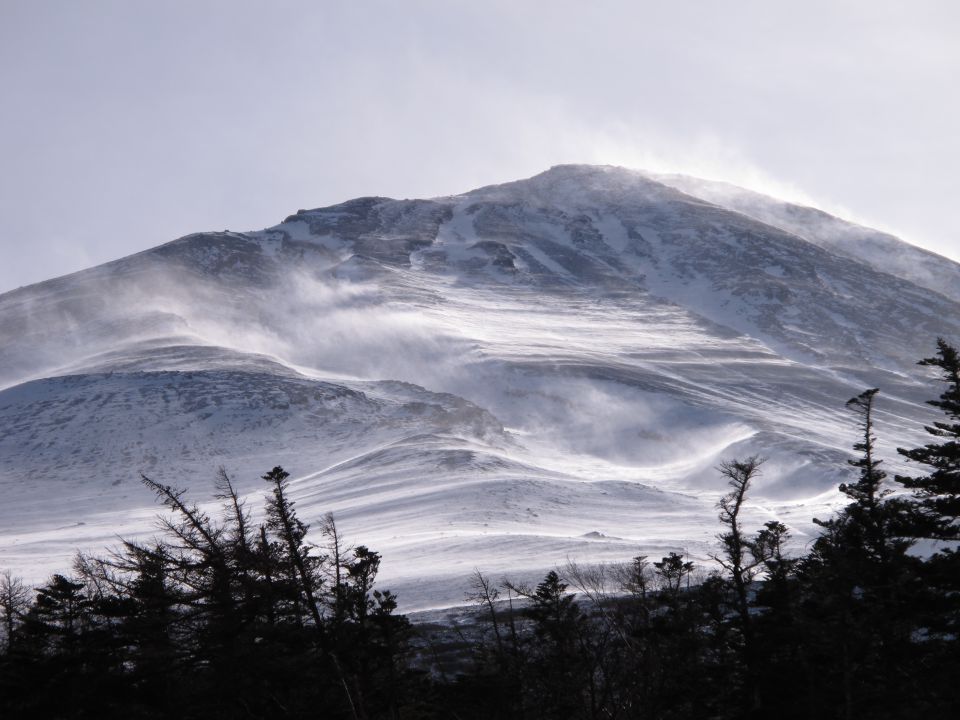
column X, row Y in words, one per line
column 938, row 493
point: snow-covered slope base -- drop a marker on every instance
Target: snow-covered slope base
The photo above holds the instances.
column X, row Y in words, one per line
column 506, row 379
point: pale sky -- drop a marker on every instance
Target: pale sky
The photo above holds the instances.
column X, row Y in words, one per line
column 125, row 124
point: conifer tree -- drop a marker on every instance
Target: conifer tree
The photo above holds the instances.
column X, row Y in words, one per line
column 742, row 558
column 58, row 614
column 938, row 493
column 739, row 557
column 935, row 517
column 556, row 665
column 872, row 515
column 299, row 566
column 672, row 571
column 858, row 580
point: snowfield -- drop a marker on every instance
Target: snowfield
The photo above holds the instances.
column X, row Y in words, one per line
column 507, row 379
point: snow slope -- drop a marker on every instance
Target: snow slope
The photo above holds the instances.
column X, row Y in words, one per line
column 880, row 250
column 504, row 379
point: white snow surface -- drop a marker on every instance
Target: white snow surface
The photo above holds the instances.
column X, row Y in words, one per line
column 545, row 370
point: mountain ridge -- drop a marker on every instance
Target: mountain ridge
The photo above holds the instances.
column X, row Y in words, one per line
column 455, row 377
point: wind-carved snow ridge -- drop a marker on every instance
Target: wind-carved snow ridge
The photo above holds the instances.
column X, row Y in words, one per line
column 504, row 379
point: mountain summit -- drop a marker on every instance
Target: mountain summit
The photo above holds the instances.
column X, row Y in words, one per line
column 503, row 379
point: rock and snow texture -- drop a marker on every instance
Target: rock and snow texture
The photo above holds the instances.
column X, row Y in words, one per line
column 504, row 379
column 880, row 250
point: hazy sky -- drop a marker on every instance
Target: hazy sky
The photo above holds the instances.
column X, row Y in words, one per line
column 126, row 124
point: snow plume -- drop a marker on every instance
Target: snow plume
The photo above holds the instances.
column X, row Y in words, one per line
column 321, row 325
column 333, row 328
column 569, row 415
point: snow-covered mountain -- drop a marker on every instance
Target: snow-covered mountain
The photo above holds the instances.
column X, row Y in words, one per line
column 503, row 379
